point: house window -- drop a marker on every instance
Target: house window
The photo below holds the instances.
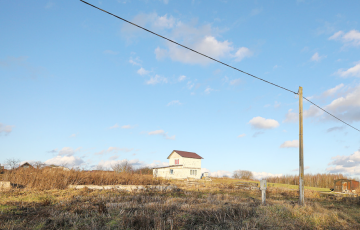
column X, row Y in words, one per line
column 176, row 161
column 171, row 171
column 193, row 172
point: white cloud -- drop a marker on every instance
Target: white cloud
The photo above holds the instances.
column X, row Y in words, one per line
column 336, row 35
column 290, row 144
column 242, row 135
column 114, row 157
column 162, row 133
column 291, row 116
column 157, row 164
column 164, row 22
column 209, row 45
column 336, row 128
column 262, row 123
column 220, row 173
column 235, row 81
column 53, row 151
column 348, row 106
column 208, row 90
column 160, row 53
column 313, row 111
column 345, row 164
column 127, row 127
column 201, row 39
column 73, row 135
column 174, row 103
column 242, row 53
column 142, row 71
column 5, row 129
column 67, row 161
column 277, row 104
column 190, row 85
column 110, row 52
column 157, row 79
column 166, row 1
column 351, row 38
column 66, row 151
column 113, row 150
column 109, row 163
column 351, row 72
column 135, row 62
column 182, row 77
column 114, row 126
column 317, row 57
column 263, row 175
column 332, row 91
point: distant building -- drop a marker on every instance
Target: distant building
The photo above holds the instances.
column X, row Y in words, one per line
column 57, row 167
column 26, row 165
column 181, row 165
column 345, row 185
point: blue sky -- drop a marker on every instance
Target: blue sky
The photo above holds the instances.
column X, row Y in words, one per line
column 82, row 88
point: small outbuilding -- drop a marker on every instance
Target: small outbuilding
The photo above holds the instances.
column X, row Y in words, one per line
column 182, row 165
column 345, row 185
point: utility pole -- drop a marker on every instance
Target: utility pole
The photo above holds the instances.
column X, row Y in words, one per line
column 301, row 152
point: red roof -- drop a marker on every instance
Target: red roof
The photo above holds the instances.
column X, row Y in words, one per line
column 187, row 154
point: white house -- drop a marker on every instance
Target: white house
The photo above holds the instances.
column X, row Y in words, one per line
column 181, row 165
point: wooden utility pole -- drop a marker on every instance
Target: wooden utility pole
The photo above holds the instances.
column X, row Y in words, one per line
column 301, row 149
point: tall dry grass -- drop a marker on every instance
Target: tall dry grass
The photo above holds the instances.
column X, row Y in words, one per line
column 312, row 180
column 44, row 179
column 89, row 209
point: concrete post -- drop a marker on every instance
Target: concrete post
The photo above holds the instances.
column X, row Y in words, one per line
column 263, row 191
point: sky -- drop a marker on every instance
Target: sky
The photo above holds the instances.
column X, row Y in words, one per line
column 81, row 88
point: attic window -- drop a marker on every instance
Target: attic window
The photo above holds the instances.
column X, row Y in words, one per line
column 176, row 161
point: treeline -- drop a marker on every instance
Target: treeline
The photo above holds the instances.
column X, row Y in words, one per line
column 313, row 180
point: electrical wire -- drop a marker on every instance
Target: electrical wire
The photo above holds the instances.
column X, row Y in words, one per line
column 217, row 61
column 331, row 114
column 188, row 48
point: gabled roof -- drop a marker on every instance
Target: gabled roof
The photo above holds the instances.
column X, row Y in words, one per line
column 26, row 164
column 186, row 154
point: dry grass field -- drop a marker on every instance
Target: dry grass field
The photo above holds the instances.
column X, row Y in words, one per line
column 209, row 205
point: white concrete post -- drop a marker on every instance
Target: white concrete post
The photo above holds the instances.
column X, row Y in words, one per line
column 263, row 191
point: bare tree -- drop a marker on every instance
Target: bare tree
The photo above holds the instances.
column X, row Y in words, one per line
column 124, row 166
column 243, row 174
column 100, row 168
column 38, row 164
column 12, row 163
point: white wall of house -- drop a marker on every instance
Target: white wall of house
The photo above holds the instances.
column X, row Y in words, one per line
column 186, row 162
column 177, row 173
column 187, row 167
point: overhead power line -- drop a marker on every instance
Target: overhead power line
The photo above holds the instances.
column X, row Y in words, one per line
column 331, row 114
column 216, row 61
column 189, row 48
